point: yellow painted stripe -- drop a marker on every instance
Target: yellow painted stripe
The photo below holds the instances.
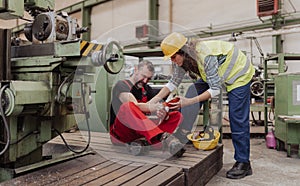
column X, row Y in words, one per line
column 90, row 47
column 82, row 44
column 98, row 47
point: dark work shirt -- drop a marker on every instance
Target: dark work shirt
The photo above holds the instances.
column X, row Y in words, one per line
column 122, row 86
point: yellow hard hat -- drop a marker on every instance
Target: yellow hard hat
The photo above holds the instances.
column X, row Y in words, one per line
column 172, row 43
column 207, row 140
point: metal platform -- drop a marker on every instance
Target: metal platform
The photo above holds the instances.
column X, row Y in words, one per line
column 111, row 165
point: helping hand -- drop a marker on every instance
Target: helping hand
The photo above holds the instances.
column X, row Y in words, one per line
column 174, row 103
column 178, row 102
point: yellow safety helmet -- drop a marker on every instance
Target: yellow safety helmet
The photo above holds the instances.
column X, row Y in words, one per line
column 172, row 43
column 205, row 140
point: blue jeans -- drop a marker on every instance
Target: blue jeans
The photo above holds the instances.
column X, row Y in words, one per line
column 239, row 109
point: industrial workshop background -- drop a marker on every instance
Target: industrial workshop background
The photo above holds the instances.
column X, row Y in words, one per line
column 260, row 28
column 206, row 18
column 51, row 84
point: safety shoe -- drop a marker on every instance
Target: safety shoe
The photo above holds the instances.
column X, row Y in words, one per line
column 181, row 134
column 138, row 147
column 174, row 146
column 239, row 170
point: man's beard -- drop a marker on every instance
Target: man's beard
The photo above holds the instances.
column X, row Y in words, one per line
column 139, row 84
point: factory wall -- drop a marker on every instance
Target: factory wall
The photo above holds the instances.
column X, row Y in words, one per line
column 118, row 19
column 292, row 45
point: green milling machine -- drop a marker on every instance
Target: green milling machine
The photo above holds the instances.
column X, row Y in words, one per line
column 45, row 83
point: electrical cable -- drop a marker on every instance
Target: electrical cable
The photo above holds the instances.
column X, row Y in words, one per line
column 88, row 128
column 4, row 122
column 67, row 79
column 29, row 134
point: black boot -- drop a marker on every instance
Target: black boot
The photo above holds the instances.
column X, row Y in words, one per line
column 174, row 146
column 138, row 147
column 181, row 135
column 239, row 170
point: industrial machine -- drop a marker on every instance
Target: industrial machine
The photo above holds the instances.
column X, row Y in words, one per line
column 287, row 111
column 283, row 88
column 45, row 81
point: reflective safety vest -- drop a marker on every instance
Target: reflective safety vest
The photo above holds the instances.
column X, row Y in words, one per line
column 235, row 71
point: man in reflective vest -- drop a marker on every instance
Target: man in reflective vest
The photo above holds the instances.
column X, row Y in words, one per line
column 212, row 64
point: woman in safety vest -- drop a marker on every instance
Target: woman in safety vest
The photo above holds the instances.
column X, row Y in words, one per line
column 212, row 64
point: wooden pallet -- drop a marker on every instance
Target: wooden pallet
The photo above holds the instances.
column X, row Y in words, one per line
column 112, row 165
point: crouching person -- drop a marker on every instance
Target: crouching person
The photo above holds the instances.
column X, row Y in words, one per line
column 129, row 121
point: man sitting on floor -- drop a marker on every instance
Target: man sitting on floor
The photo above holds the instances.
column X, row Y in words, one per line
column 129, row 108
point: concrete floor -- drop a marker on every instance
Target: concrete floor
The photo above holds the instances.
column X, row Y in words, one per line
column 270, row 167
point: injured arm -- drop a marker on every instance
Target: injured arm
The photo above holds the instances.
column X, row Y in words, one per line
column 145, row 107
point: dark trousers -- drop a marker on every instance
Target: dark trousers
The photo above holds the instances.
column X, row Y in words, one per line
column 239, row 109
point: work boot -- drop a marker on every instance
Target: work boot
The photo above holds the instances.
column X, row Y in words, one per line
column 138, row 147
column 181, row 134
column 239, row 170
column 174, row 146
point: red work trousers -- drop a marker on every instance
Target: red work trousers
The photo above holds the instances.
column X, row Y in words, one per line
column 131, row 124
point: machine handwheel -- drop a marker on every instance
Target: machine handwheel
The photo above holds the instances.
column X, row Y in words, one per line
column 113, row 57
column 257, row 88
column 8, row 101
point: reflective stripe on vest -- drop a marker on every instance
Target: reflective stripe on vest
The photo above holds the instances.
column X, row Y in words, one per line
column 230, row 67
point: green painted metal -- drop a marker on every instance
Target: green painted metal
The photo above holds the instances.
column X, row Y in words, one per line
column 30, row 92
column 277, row 44
column 6, row 174
column 71, row 49
column 70, row 9
column 102, row 100
column 287, row 109
column 45, row 131
column 11, row 9
column 269, row 84
column 101, row 97
column 287, row 93
column 86, row 22
column 153, row 23
column 49, row 91
column 49, row 4
column 78, row 6
column 35, row 112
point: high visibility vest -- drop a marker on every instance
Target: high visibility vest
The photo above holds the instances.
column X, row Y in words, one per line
column 235, row 71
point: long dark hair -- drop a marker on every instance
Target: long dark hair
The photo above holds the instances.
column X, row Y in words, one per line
column 190, row 59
